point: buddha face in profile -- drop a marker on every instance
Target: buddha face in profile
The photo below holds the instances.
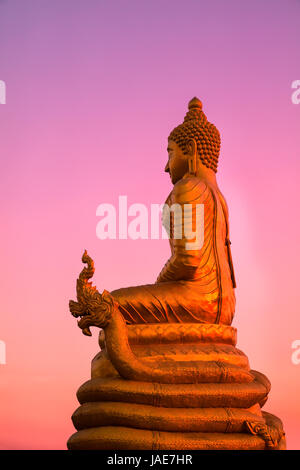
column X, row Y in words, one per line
column 177, row 164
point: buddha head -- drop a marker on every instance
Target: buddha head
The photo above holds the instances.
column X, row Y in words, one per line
column 193, row 144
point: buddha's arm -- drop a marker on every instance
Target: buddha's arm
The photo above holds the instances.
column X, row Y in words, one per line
column 183, row 262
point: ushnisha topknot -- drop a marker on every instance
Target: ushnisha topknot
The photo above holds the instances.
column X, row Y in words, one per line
column 196, row 126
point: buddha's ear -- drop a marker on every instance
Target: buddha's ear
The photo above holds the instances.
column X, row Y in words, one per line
column 191, row 147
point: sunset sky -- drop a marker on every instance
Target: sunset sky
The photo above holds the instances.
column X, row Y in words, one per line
column 93, row 89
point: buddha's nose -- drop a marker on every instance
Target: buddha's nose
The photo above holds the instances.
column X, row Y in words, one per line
column 167, row 169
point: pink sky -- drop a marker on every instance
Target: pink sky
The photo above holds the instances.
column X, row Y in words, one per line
column 93, row 91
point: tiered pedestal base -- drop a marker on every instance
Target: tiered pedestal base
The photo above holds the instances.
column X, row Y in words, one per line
column 122, row 414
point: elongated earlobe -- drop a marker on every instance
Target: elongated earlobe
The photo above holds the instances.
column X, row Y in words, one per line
column 192, row 156
column 192, row 165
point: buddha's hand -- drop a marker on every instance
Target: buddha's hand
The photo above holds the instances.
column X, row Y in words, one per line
column 162, row 277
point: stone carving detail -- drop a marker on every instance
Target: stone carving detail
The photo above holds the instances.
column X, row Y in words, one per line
column 93, row 308
column 269, row 434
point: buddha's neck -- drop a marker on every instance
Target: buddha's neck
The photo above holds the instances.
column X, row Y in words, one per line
column 207, row 175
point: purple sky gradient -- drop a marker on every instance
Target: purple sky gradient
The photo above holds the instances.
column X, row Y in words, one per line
column 93, row 90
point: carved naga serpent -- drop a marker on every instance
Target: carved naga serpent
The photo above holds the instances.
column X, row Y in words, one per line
column 101, row 310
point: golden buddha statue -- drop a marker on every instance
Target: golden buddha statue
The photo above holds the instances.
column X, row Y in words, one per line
column 168, row 375
column 194, row 285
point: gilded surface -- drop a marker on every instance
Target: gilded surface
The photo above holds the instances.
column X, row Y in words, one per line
column 195, row 285
column 168, row 375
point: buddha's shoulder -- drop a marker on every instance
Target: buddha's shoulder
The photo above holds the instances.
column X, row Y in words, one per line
column 188, row 187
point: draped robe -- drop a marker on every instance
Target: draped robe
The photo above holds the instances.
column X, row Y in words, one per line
column 194, row 285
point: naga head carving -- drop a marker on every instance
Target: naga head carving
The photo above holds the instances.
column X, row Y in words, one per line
column 93, row 308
